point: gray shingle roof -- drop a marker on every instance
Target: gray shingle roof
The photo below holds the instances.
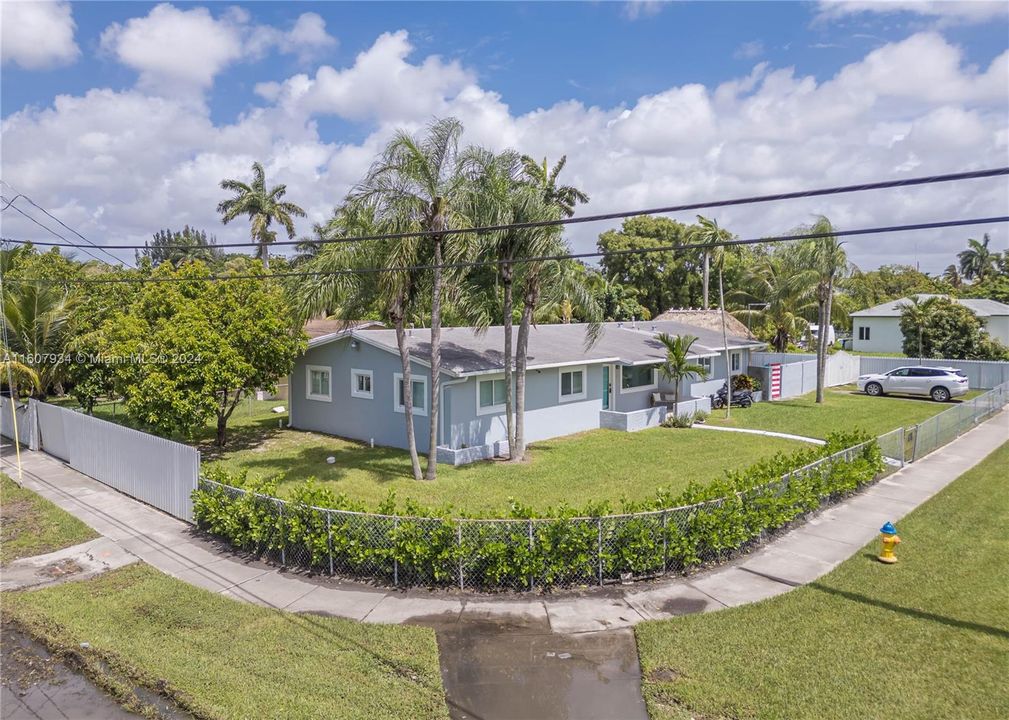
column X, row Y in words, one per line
column 980, row 307
column 465, row 351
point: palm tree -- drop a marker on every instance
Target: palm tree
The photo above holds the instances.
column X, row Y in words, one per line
column 827, row 258
column 262, row 206
column 782, row 283
column 354, row 294
column 977, row 261
column 19, row 378
column 918, row 312
column 710, row 236
column 707, row 234
column 677, row 367
column 952, row 276
column 563, row 197
column 419, row 183
column 36, row 315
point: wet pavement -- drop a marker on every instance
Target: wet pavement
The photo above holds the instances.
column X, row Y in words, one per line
column 38, row 686
column 518, row 672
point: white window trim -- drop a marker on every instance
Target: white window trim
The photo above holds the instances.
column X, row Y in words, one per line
column 732, row 356
column 642, row 388
column 493, row 409
column 707, row 362
column 585, row 384
column 354, row 392
column 397, row 378
column 309, row 395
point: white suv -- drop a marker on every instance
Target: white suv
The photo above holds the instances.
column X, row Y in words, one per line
column 940, row 383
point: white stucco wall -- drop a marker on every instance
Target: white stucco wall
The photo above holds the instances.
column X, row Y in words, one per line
column 884, row 335
column 998, row 327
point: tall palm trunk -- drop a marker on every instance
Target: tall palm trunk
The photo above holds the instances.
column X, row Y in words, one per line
column 530, row 297
column 725, row 341
column 506, row 282
column 404, row 356
column 706, row 276
column 438, row 223
column 826, row 290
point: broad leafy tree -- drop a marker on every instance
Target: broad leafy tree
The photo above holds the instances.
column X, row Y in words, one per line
column 262, row 206
column 190, row 349
column 947, row 330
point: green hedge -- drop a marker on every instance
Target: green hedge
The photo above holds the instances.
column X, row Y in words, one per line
column 409, row 544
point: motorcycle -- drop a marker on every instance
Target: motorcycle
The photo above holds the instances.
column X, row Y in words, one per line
column 740, row 398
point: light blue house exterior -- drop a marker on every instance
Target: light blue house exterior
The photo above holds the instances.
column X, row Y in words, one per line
column 349, row 384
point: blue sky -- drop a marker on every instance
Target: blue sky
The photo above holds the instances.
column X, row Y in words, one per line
column 556, row 76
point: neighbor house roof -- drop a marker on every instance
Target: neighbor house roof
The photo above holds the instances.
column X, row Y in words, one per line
column 708, row 319
column 979, row 306
column 466, row 351
column 317, row 327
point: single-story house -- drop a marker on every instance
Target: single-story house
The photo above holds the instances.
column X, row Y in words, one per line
column 877, row 329
column 349, row 383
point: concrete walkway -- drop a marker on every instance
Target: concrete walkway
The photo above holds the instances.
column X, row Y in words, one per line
column 797, row 557
column 77, row 562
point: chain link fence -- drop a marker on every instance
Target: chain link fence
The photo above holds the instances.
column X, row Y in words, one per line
column 950, row 424
column 523, row 554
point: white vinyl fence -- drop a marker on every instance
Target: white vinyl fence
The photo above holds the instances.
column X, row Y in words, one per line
column 151, row 469
column 982, row 374
column 24, row 414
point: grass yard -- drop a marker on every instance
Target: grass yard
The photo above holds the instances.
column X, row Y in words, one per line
column 227, row 659
column 31, row 525
column 844, row 408
column 925, row 638
column 593, row 466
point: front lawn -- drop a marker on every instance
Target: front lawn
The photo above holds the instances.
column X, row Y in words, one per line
column 593, row 466
column 844, row 408
column 226, row 659
column 31, row 525
column 925, row 638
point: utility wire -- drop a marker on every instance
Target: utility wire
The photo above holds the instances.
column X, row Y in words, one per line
column 49, row 214
column 46, row 227
column 907, row 182
column 540, row 258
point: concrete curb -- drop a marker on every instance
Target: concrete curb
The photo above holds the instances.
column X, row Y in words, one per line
column 768, row 433
column 795, row 558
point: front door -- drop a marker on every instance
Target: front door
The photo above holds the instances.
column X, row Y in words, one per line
column 606, row 387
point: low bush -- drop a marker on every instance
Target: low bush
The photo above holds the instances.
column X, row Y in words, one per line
column 745, row 382
column 417, row 545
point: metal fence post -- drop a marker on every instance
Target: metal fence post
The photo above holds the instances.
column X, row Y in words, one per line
column 458, row 539
column 914, row 450
column 665, row 541
column 283, row 538
column 530, row 552
column 395, row 557
column 599, row 547
column 329, row 539
column 903, row 445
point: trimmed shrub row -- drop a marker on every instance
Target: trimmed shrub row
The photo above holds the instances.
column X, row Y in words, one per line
column 412, row 545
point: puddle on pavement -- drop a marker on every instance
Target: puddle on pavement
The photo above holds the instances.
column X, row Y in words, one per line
column 518, row 674
column 36, row 684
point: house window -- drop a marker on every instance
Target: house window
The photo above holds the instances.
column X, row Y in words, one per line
column 360, row 384
column 705, row 362
column 419, row 394
column 863, row 332
column 638, row 377
column 572, row 384
column 490, row 396
column 736, row 358
column 318, row 383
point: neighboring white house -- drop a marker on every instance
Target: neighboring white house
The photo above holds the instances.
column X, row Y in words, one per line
column 877, row 329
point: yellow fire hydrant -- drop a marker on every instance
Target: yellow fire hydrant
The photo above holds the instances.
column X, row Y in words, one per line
column 890, row 542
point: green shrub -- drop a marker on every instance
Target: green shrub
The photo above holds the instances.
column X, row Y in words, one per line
column 419, row 545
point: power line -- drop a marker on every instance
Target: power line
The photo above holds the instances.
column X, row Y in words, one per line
column 46, row 227
column 49, row 214
column 540, row 258
column 881, row 185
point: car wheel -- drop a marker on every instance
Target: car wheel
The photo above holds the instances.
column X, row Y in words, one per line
column 940, row 394
column 874, row 389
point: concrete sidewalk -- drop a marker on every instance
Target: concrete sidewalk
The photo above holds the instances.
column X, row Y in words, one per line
column 797, row 557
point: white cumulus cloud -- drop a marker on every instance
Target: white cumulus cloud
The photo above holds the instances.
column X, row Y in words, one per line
column 37, row 35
